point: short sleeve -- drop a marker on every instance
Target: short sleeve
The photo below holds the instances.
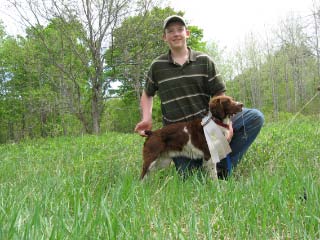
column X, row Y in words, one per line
column 150, row 86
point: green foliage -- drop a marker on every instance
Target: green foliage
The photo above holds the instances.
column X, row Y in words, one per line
column 283, row 82
column 43, row 82
column 157, row 113
column 49, row 82
column 195, row 40
column 88, row 187
column 121, row 115
column 2, row 32
column 222, row 61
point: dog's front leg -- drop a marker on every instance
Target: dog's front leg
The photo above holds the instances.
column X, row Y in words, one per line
column 211, row 168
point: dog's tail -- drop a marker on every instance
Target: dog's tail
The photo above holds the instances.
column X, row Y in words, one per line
column 148, row 132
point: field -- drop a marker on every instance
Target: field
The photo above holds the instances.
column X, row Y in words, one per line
column 88, row 188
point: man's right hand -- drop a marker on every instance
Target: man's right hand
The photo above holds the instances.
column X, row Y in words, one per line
column 142, row 126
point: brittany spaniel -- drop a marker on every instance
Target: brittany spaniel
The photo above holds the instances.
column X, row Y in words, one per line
column 187, row 138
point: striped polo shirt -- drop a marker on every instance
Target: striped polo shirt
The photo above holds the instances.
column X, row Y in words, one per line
column 184, row 90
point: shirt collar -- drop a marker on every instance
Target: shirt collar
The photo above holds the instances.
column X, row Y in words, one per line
column 192, row 56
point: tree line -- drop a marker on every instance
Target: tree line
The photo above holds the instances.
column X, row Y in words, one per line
column 58, row 78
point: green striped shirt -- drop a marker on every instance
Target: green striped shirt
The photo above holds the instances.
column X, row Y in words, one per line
column 184, row 90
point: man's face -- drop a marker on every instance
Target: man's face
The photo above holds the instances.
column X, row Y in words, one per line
column 176, row 35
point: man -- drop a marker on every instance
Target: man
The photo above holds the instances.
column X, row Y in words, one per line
column 185, row 81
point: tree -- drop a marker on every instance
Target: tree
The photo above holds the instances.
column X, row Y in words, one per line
column 271, row 69
column 293, row 42
column 98, row 18
column 221, row 59
column 38, row 96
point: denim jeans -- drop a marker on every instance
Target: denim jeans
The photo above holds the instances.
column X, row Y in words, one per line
column 246, row 127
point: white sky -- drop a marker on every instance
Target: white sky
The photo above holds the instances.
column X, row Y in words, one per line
column 229, row 21
column 226, row 22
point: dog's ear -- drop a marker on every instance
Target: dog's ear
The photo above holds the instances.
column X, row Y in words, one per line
column 216, row 108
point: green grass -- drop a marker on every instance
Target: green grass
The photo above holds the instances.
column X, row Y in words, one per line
column 88, row 188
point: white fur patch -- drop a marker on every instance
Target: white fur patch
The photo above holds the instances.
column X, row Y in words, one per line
column 189, row 150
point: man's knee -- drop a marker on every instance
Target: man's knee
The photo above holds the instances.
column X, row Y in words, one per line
column 259, row 117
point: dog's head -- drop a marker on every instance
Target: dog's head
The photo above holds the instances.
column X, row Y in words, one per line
column 222, row 107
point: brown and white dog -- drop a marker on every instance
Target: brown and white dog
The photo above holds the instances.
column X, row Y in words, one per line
column 187, row 138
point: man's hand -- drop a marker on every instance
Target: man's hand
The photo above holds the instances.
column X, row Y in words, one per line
column 230, row 135
column 142, row 126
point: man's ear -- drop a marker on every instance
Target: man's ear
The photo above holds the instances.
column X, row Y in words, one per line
column 216, row 109
column 188, row 33
column 164, row 37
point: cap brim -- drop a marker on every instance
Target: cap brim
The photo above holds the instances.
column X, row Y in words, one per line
column 173, row 19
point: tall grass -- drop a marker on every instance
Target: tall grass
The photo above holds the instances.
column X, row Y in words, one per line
column 88, row 188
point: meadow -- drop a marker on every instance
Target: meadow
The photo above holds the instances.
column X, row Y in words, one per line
column 88, row 188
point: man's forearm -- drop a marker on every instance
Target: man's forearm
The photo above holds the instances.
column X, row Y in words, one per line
column 146, row 104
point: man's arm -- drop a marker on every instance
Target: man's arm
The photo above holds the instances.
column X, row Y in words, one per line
column 146, row 103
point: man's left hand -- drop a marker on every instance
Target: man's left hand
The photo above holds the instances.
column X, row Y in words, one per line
column 230, row 135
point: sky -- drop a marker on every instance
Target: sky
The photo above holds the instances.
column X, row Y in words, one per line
column 230, row 21
column 227, row 22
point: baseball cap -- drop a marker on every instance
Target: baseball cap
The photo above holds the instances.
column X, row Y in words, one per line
column 173, row 18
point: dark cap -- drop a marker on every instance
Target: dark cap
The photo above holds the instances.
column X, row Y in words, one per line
column 173, row 18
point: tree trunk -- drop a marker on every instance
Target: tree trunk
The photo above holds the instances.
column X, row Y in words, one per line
column 95, row 111
column 288, row 97
column 43, row 122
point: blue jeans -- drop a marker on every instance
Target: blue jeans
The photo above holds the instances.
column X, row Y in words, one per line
column 246, row 127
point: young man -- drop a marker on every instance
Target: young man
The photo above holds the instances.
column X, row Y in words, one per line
column 185, row 81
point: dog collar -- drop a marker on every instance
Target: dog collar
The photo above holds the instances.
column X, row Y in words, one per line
column 209, row 117
column 218, row 122
column 206, row 119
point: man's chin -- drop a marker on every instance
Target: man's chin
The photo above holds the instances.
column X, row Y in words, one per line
column 177, row 46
